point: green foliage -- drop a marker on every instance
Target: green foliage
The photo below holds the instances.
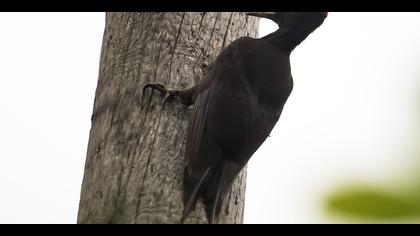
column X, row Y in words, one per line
column 374, row 204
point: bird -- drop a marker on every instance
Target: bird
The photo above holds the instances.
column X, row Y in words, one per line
column 236, row 106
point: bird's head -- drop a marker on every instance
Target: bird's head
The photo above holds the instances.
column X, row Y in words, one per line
column 289, row 19
column 294, row 27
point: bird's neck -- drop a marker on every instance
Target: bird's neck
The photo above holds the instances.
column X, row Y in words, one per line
column 288, row 38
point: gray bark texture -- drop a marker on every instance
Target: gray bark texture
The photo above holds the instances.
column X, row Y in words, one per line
column 135, row 158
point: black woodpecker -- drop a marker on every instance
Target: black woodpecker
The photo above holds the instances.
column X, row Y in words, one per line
column 236, row 106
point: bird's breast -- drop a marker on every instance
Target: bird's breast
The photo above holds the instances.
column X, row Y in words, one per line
column 275, row 87
column 272, row 98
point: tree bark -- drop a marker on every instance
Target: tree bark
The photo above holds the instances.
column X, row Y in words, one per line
column 135, row 157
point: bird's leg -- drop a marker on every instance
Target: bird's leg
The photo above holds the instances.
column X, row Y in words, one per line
column 187, row 96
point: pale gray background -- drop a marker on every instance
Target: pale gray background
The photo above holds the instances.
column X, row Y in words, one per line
column 352, row 115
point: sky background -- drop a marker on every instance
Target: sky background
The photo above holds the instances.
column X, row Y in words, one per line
column 353, row 114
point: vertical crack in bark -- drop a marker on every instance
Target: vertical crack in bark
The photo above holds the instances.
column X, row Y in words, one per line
column 148, row 160
column 157, row 65
column 173, row 51
column 201, row 22
column 227, row 30
column 195, row 64
column 212, row 30
column 214, row 25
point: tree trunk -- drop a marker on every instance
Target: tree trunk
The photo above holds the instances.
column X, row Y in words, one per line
column 135, row 158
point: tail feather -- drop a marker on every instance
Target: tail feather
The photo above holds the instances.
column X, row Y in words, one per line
column 213, row 212
column 191, row 193
column 212, row 186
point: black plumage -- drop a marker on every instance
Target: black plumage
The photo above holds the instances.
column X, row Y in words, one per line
column 237, row 105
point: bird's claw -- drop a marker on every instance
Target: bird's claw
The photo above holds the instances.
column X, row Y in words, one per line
column 156, row 86
column 168, row 93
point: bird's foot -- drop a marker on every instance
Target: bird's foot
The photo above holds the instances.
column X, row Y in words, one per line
column 160, row 88
column 156, row 86
column 185, row 96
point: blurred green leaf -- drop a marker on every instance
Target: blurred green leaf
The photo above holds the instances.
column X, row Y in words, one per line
column 368, row 203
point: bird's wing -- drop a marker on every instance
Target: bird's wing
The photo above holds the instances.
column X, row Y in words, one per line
column 220, row 94
column 225, row 129
column 222, row 115
column 212, row 132
column 197, row 166
column 195, row 130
